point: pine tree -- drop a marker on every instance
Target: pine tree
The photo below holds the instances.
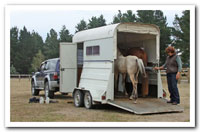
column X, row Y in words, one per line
column 101, row 21
column 51, row 47
column 117, row 18
column 37, row 42
column 13, row 70
column 64, row 35
column 24, row 53
column 96, row 22
column 37, row 60
column 125, row 17
column 181, row 35
column 81, row 26
column 14, row 45
column 146, row 16
column 129, row 16
column 157, row 17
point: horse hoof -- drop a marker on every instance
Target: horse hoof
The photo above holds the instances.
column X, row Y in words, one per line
column 135, row 102
column 131, row 98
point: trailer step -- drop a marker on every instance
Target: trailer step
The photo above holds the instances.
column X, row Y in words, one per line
column 146, row 106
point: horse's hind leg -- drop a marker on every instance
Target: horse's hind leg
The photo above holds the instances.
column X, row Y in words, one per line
column 134, row 92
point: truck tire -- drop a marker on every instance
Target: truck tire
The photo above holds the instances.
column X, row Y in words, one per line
column 47, row 92
column 88, row 100
column 78, row 98
column 34, row 91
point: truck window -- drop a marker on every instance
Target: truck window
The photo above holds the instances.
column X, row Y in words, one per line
column 52, row 64
column 42, row 66
column 47, row 66
column 58, row 66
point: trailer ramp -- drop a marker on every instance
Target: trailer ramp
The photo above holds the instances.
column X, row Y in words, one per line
column 146, row 106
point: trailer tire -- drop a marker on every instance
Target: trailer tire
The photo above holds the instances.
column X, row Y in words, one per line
column 47, row 92
column 34, row 91
column 88, row 100
column 78, row 98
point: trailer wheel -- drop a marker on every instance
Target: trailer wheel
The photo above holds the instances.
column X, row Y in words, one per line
column 78, row 98
column 47, row 92
column 33, row 90
column 88, row 100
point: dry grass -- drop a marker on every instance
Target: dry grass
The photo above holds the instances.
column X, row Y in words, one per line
column 22, row 111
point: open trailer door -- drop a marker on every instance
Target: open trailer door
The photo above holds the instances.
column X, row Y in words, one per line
column 68, row 67
column 146, row 106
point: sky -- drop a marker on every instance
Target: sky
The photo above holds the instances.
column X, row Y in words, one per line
column 41, row 21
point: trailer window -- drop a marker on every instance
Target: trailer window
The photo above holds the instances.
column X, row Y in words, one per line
column 89, row 50
column 95, row 50
column 92, row 50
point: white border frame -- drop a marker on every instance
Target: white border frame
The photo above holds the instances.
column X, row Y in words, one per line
column 10, row 8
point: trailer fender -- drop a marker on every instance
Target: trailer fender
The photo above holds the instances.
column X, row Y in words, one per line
column 82, row 90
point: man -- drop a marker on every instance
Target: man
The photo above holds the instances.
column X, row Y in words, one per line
column 174, row 65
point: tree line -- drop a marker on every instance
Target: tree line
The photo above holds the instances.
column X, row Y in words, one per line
column 28, row 49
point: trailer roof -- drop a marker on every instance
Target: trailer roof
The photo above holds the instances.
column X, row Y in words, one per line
column 110, row 30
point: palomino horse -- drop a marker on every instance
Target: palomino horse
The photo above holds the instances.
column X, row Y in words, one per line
column 131, row 65
column 142, row 55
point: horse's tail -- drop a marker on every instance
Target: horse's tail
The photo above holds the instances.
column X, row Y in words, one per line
column 141, row 66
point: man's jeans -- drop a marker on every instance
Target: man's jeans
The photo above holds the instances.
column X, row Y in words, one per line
column 172, row 87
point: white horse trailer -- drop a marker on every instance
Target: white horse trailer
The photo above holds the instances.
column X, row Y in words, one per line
column 87, row 67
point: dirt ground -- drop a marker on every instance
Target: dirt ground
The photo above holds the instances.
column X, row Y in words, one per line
column 65, row 111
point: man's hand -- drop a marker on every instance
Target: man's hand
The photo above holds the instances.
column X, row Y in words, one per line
column 156, row 68
column 178, row 75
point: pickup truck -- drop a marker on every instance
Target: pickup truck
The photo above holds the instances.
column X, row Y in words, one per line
column 46, row 78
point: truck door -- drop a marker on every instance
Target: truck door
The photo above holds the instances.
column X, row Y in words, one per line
column 68, row 67
column 39, row 75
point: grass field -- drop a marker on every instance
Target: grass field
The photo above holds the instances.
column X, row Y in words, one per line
column 64, row 110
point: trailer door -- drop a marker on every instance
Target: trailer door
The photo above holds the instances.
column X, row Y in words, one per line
column 68, row 67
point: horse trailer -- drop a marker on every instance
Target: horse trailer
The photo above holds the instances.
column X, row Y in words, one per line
column 87, row 67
